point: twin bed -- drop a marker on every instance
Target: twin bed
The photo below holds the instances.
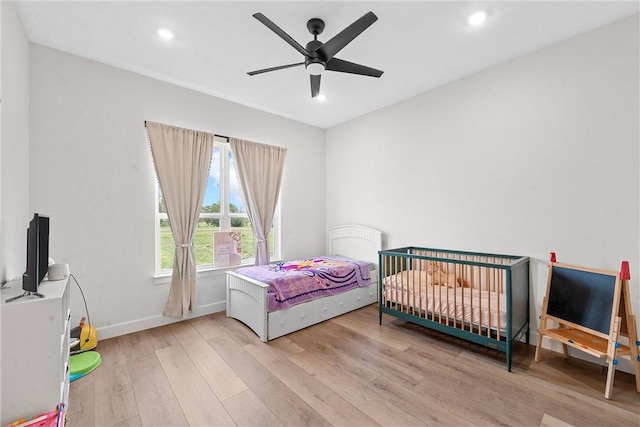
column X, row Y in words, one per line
column 272, row 311
column 483, row 298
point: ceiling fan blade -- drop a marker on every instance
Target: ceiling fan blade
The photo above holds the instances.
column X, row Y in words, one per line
column 343, row 66
column 281, row 67
column 286, row 37
column 345, row 36
column 315, row 85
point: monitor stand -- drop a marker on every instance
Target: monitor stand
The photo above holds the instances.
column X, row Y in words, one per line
column 26, row 293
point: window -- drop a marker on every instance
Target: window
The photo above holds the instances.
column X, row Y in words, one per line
column 223, row 209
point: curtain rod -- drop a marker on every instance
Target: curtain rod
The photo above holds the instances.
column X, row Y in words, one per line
column 214, row 134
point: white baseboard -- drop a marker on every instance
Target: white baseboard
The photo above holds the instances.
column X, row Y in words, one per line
column 155, row 321
column 625, row 364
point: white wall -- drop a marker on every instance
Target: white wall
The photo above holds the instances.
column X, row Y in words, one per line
column 92, row 173
column 14, row 144
column 536, row 155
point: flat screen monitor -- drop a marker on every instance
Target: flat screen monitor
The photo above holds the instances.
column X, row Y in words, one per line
column 37, row 253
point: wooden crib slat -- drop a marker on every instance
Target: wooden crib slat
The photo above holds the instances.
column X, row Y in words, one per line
column 486, row 285
column 398, row 284
column 471, row 290
column 455, row 296
column 499, row 308
column 395, row 283
column 494, row 276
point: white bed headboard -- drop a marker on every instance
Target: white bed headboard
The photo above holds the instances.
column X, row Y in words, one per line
column 355, row 241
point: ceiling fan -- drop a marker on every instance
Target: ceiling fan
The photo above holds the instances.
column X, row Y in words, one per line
column 319, row 56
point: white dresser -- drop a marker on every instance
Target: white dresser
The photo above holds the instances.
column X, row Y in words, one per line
column 35, row 349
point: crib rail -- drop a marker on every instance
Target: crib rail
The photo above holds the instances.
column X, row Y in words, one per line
column 467, row 294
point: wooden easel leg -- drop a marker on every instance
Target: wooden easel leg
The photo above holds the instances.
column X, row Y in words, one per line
column 633, row 347
column 631, row 328
column 610, row 374
column 611, row 357
column 543, row 326
column 538, row 345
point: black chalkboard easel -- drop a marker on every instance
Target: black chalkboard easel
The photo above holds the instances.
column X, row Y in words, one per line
column 592, row 309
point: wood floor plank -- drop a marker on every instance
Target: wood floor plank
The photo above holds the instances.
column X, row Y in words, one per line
column 247, row 410
column 290, row 409
column 112, row 381
column 235, row 329
column 549, row 421
column 200, row 405
column 429, row 412
column 285, row 345
column 366, row 351
column 476, row 405
column 157, row 404
column 383, row 411
column 373, row 331
column 206, row 327
column 221, row 378
column 317, row 394
column 131, row 422
column 82, row 397
column 160, row 337
column 311, row 342
column 416, row 334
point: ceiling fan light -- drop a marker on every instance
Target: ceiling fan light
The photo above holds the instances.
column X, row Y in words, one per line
column 315, row 68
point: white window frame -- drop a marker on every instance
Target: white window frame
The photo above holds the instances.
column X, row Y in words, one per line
column 224, row 215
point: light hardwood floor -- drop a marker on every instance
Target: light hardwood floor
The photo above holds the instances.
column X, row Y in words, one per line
column 348, row 371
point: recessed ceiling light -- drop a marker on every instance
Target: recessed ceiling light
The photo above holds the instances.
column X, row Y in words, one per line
column 321, row 97
column 165, row 33
column 477, row 18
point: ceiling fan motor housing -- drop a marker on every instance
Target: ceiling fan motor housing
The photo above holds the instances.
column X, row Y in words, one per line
column 316, row 62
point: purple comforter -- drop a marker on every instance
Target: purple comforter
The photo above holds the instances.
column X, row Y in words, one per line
column 294, row 282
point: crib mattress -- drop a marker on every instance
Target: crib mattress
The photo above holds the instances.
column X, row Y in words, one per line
column 469, row 305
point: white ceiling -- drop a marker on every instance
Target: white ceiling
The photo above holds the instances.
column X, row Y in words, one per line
column 419, row 45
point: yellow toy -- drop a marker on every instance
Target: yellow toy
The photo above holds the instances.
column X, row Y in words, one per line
column 86, row 335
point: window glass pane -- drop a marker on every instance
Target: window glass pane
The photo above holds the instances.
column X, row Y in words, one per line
column 248, row 239
column 202, row 243
column 203, row 240
column 167, row 245
column 271, row 244
column 211, row 201
column 162, row 208
column 236, row 203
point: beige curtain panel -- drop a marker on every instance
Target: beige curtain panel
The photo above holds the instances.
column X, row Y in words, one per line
column 182, row 159
column 260, row 170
